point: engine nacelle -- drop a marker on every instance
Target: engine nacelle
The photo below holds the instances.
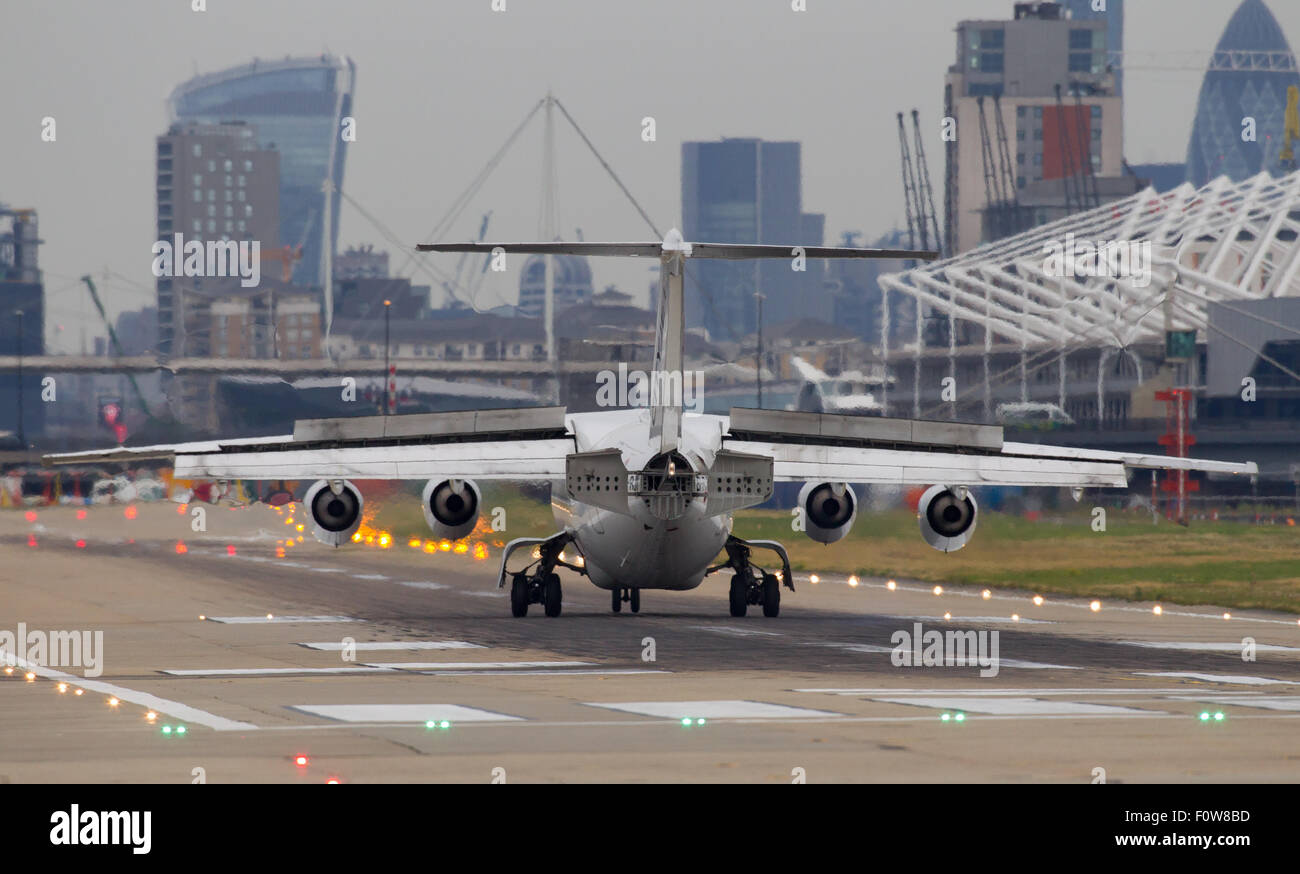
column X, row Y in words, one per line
column 828, row 510
column 334, row 507
column 451, row 507
column 947, row 517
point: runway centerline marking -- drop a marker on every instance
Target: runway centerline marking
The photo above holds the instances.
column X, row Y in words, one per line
column 370, row 645
column 1289, row 703
column 470, row 666
column 272, row 672
column 1206, row 647
column 403, row 713
column 1234, row 679
column 278, row 620
column 721, row 709
column 1015, row 706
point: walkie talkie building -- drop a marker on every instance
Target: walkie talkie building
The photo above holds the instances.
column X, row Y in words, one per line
column 296, row 106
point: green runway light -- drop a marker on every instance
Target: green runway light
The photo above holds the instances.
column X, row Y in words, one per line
column 699, row 721
column 686, row 721
column 945, row 717
column 430, row 724
column 1205, row 716
column 960, row 717
column 444, row 724
column 1218, row 717
column 166, row 729
column 180, row 729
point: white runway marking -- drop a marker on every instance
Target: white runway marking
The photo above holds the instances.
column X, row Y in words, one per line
column 416, row 584
column 957, row 620
column 739, row 632
column 1206, row 647
column 480, row 594
column 1267, row 702
column 277, row 620
column 369, row 576
column 470, row 666
column 184, row 712
column 954, row 662
column 335, row 646
column 271, row 672
column 417, row 713
column 995, row 692
column 1012, row 706
column 1235, row 679
column 714, row 710
column 568, row 672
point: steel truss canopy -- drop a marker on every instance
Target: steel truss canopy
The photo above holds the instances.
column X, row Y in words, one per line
column 1225, row 242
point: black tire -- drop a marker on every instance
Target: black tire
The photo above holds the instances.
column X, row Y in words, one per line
column 552, row 595
column 771, row 595
column 616, row 600
column 739, row 596
column 519, row 596
column 636, row 600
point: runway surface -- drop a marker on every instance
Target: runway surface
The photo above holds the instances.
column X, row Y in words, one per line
column 444, row 685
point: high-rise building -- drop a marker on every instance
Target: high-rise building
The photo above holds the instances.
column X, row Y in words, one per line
column 1111, row 12
column 213, row 183
column 298, row 107
column 361, row 262
column 21, row 290
column 1230, row 96
column 748, row 191
column 1061, row 150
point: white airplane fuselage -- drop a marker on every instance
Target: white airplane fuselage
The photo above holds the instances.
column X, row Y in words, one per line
column 641, row 551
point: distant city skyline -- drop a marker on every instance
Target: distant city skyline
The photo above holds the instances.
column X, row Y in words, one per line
column 442, row 86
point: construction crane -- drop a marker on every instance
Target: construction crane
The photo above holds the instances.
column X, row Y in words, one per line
column 117, row 347
column 287, row 256
column 1291, row 130
column 995, row 203
column 910, row 197
column 925, row 191
column 1011, row 191
column 450, row 285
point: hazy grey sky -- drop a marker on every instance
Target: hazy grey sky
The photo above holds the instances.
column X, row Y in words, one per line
column 440, row 84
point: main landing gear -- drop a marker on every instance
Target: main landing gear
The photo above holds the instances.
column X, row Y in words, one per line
column 752, row 584
column 618, row 596
column 538, row 583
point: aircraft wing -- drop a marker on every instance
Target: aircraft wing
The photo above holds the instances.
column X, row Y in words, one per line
column 522, row 444
column 868, row 449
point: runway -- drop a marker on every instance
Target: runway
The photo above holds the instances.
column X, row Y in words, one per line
column 395, row 665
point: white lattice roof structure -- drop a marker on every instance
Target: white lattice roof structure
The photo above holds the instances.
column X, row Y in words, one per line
column 1224, row 242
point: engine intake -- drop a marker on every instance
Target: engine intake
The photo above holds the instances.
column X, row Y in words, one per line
column 947, row 517
column 335, row 509
column 829, row 510
column 451, row 507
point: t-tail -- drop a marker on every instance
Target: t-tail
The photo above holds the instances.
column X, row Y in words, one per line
column 673, row 252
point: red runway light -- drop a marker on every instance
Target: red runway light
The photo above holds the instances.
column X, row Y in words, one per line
column 31, row 539
column 181, row 508
column 81, row 544
column 333, row 781
column 81, row 514
column 31, row 515
column 129, row 512
column 230, row 549
column 181, row 548
column 300, row 761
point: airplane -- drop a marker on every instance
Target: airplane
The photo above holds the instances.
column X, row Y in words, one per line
column 646, row 496
column 849, row 393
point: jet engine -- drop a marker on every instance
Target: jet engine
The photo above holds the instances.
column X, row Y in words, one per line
column 451, row 507
column 335, row 510
column 828, row 509
column 947, row 517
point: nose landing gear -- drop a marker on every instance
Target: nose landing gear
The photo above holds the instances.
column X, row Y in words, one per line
column 618, row 596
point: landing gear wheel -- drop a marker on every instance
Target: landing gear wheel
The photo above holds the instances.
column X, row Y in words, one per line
column 739, row 596
column 636, row 600
column 616, row 600
column 519, row 595
column 771, row 595
column 551, row 595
